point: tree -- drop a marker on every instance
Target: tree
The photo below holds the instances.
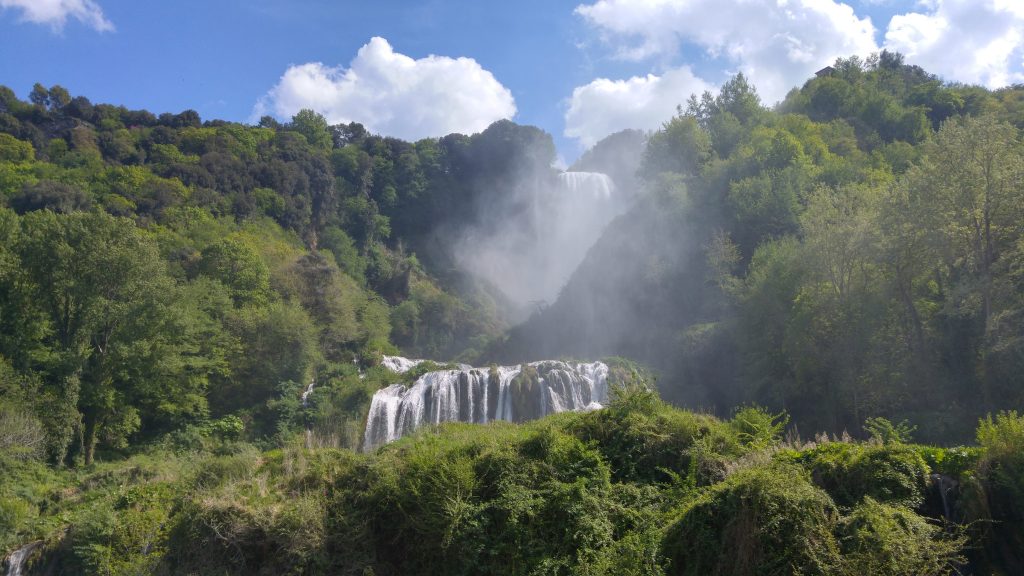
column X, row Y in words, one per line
column 681, row 147
column 974, row 170
column 58, row 97
column 314, row 127
column 51, row 195
column 110, row 303
column 236, row 264
column 39, row 96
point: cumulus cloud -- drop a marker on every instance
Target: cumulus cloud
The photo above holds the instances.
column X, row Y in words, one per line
column 777, row 44
column 605, row 106
column 56, row 13
column 393, row 94
column 972, row 41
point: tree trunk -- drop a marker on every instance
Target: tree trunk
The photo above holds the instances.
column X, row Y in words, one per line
column 89, row 439
column 917, row 332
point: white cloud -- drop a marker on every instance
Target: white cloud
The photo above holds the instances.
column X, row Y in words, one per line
column 605, row 106
column 393, row 94
column 973, row 41
column 56, row 13
column 778, row 44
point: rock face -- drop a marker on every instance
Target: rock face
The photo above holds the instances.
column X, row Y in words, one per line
column 480, row 395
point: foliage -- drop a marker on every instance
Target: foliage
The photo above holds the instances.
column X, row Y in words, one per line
column 759, row 521
column 170, row 288
column 855, row 252
column 852, row 472
column 473, row 499
column 1002, row 439
column 884, row 539
column 885, row 432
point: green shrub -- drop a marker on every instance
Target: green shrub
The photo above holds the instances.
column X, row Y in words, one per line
column 757, row 428
column 645, row 440
column 884, row 540
column 893, row 474
column 215, row 471
column 954, row 462
column 885, row 432
column 14, row 514
column 760, row 521
column 1002, row 439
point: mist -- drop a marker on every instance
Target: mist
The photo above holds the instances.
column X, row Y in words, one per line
column 529, row 254
column 531, row 225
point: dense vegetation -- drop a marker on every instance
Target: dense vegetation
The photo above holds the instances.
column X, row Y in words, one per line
column 856, row 252
column 637, row 488
column 159, row 273
column 170, row 287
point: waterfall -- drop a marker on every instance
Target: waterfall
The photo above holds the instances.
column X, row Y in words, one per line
column 16, row 561
column 480, row 395
column 530, row 252
column 307, row 392
column 596, row 185
column 946, row 487
column 399, row 364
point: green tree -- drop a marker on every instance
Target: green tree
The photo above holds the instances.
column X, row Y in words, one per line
column 236, row 264
column 314, row 127
column 974, row 170
column 681, row 147
column 110, row 303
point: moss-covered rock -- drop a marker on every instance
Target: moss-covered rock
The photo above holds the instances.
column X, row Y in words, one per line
column 524, row 390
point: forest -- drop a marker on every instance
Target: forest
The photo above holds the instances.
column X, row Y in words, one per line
column 813, row 316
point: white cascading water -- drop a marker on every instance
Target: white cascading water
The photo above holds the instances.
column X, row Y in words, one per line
column 594, row 184
column 16, row 561
column 531, row 256
column 399, row 364
column 480, row 395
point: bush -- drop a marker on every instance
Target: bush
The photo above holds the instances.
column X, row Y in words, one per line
column 645, row 440
column 14, row 513
column 764, row 521
column 757, row 428
column 954, row 462
column 893, row 474
column 885, row 432
column 885, row 540
column 1002, row 439
column 21, row 435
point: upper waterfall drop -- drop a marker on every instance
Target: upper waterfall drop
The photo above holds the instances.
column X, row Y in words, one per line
column 530, row 249
column 595, row 184
column 399, row 364
column 480, row 395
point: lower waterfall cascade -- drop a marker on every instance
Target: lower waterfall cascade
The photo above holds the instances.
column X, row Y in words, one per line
column 481, row 395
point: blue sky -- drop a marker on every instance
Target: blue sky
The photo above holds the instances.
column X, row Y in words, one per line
column 579, row 70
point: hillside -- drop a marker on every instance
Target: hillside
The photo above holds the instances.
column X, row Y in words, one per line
column 854, row 253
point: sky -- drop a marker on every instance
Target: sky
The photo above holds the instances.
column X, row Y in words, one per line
column 416, row 69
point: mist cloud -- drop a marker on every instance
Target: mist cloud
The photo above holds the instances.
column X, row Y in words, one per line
column 56, row 13
column 529, row 245
column 393, row 94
